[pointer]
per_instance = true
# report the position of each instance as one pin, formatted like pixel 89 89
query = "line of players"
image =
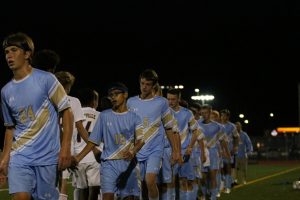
pixel 199 163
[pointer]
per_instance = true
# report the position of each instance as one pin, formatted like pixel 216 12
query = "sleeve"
pixel 77 109
pixel 167 117
pixel 7 117
pixel 56 93
pixel 249 146
pixel 97 133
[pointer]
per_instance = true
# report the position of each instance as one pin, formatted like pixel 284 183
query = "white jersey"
pixel 78 116
pixel 91 116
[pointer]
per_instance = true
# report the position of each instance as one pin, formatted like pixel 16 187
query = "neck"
pixel 176 108
pixel 147 96
pixel 22 72
pixel 120 109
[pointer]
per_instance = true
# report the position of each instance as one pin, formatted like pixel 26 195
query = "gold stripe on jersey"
pixel 33 131
pixel 212 142
pixel 151 131
pixel 193 123
pixel 183 135
pixel 118 154
pixel 167 120
pixel 139 133
pixel 58 95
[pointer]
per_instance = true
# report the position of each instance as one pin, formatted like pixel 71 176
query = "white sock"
pixel 63 196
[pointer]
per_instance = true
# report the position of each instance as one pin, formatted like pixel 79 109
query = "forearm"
pixel 137 146
pixel 171 138
pixel 7 145
pixel 85 151
pixel 82 131
pixel 67 122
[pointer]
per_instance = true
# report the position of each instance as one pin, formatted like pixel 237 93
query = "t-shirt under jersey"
pixel 31 105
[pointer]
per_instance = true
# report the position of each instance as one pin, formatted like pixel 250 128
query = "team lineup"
pixel 141 147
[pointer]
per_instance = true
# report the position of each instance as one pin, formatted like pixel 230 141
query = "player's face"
pixel 214 117
pixel 16 57
pixel 117 98
pixel 224 117
pixel 146 87
pixel 173 100
pixel 205 113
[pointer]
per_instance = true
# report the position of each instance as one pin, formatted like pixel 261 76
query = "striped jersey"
pixel 31 105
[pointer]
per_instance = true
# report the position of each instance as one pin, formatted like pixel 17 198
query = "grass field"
pixel 266 181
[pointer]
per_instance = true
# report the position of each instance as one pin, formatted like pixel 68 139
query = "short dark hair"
pixel 206 106
pixel 225 111
pixel 149 75
pixel 117 86
pixel 20 40
pixel 195 105
pixel 87 96
pixel 46 59
pixel 174 92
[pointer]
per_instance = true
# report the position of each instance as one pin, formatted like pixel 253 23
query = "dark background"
pixel 244 53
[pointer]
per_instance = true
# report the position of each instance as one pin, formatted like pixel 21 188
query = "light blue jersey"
pixel 156 115
pixel 245 145
pixel 186 125
pixel 117 131
pixel 31 105
pixel 231 132
pixel 214 134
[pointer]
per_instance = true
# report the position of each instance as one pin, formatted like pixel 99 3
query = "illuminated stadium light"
pixel 274 133
pixel 241 116
pixel 288 129
pixel 197 90
pixel 180 86
pixel 271 114
pixel 176 86
pixel 246 121
pixel 162 87
pixel 203 97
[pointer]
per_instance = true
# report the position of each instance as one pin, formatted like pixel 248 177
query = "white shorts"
pixel 87 175
pixel 66 174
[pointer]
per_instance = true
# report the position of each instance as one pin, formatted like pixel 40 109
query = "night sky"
pixel 245 54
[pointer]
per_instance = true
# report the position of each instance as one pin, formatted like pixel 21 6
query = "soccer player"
pixel 121 132
pixel 87 175
pixel 67 81
pixel 156 116
pixel 233 142
pixel 31 101
pixel 214 133
pixel 189 133
pixel 245 148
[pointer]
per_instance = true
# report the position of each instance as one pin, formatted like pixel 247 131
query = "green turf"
pixel 275 188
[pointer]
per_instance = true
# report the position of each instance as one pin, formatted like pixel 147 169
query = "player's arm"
pixel 90 146
pixel 225 148
pixel 64 160
pixel 82 131
pixel 5 156
pixel 236 140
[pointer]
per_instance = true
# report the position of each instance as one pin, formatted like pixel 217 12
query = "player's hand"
pixel 128 155
pixel 64 159
pixel 3 172
pixel 175 157
pixel 188 151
